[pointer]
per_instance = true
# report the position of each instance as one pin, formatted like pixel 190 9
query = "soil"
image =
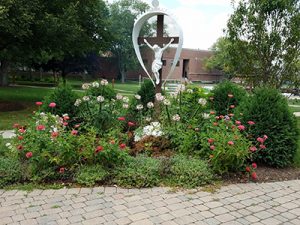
pixel 265 174
pixel 6 106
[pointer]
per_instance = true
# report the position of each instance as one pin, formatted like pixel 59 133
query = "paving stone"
pixel 123 221
pixel 272 221
pixel 225 218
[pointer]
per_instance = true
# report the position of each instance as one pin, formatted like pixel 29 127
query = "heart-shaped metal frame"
pixel 136 32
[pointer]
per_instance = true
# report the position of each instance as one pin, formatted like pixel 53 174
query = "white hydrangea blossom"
pixel 119 97
pixel 95 84
pixel 150 105
pixel 85 86
pixel 176 117
pixel 100 98
pixel 86 98
pixel 104 82
pixel 167 102
pixel 202 101
pixel 77 102
pixel 138 97
pixel 139 107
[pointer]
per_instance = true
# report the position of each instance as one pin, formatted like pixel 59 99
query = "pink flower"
pixel 65 124
pixel 241 127
pixel 230 95
pixel 121 118
pixel 232 106
pixel 215 124
pixel 28 155
pixel 16 125
pixel 54 134
pixel 77 125
pixel 231 115
pixel 254 165
pixel 131 124
pixel 254 176
pixel 237 122
pixel 40 127
pixel 74 132
pixel 260 140
pixel 253 149
pixel 61 170
pixel 248 169
pixel 251 122
pixel 39 103
pixel 210 140
pixel 217 117
pixel 52 105
pixel 262 146
pixel 99 149
pixel 230 142
pixel 22 130
pixel 221 117
pixel 265 137
pixel 122 146
pixel 66 117
pixel 212 147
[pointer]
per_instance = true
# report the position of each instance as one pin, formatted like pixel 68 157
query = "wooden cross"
pixel 160 40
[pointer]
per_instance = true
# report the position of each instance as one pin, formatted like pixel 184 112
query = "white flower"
pixel 138 97
pixel 104 82
pixel 139 107
pixel 125 99
pixel 125 106
pixel 180 88
pixel 77 102
pixel 119 97
pixel 167 102
pixel 159 97
pixel 85 86
pixel 42 114
pixel 9 145
pixel 148 119
pixel 176 117
pixel 150 105
pixel 205 115
pixel 95 84
pixel 64 115
pixel 202 101
pixel 100 98
pixel 86 98
pixel 190 91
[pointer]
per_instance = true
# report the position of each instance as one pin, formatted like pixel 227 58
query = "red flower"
pixel 260 140
pixel 251 122
pixel 40 127
pixel 20 147
pixel 248 169
pixel 212 113
pixel 39 103
pixel 65 124
pixel 254 165
pixel 121 118
pixel 131 124
pixel 54 134
pixel 210 140
pixel 212 147
pixel 74 132
pixel 28 155
pixel 122 146
pixel 238 122
pixel 230 142
pixel 221 117
pixel 262 146
pixel 61 170
pixel 16 125
pixel 66 117
pixel 99 149
pixel 232 106
pixel 22 130
pixel 241 127
pixel 52 105
pixel 253 149
pixel 230 95
pixel 254 176
pixel 20 138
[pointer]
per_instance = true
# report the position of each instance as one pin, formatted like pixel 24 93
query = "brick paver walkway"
pixel 268 203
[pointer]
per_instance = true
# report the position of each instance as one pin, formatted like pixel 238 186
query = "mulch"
pixel 6 106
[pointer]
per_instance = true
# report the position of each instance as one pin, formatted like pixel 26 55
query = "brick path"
pixel 268 203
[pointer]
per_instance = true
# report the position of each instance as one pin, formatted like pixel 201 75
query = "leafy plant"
pixel 270 112
pixel 90 175
pixel 147 92
pixel 139 172
pixel 188 172
pixel 10 171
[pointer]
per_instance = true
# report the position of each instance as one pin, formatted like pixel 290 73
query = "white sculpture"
pixel 157 62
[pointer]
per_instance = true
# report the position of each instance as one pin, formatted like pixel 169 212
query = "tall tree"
pixel 55 30
pixel 263 42
pixel 123 14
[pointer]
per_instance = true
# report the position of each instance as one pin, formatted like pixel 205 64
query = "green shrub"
pixel 64 97
pixel 188 172
pixel 147 92
pixel 98 89
pixel 90 175
pixel 226 94
pixel 10 171
pixel 139 172
pixel 270 112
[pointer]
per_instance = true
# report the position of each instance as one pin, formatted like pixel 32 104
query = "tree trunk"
pixel 4 69
pixel 63 75
pixel 123 76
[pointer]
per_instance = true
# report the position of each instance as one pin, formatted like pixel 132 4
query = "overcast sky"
pixel 202 21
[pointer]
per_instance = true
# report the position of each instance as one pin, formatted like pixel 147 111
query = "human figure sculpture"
pixel 157 63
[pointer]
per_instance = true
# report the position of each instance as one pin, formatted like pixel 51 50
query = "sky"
pixel 202 21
